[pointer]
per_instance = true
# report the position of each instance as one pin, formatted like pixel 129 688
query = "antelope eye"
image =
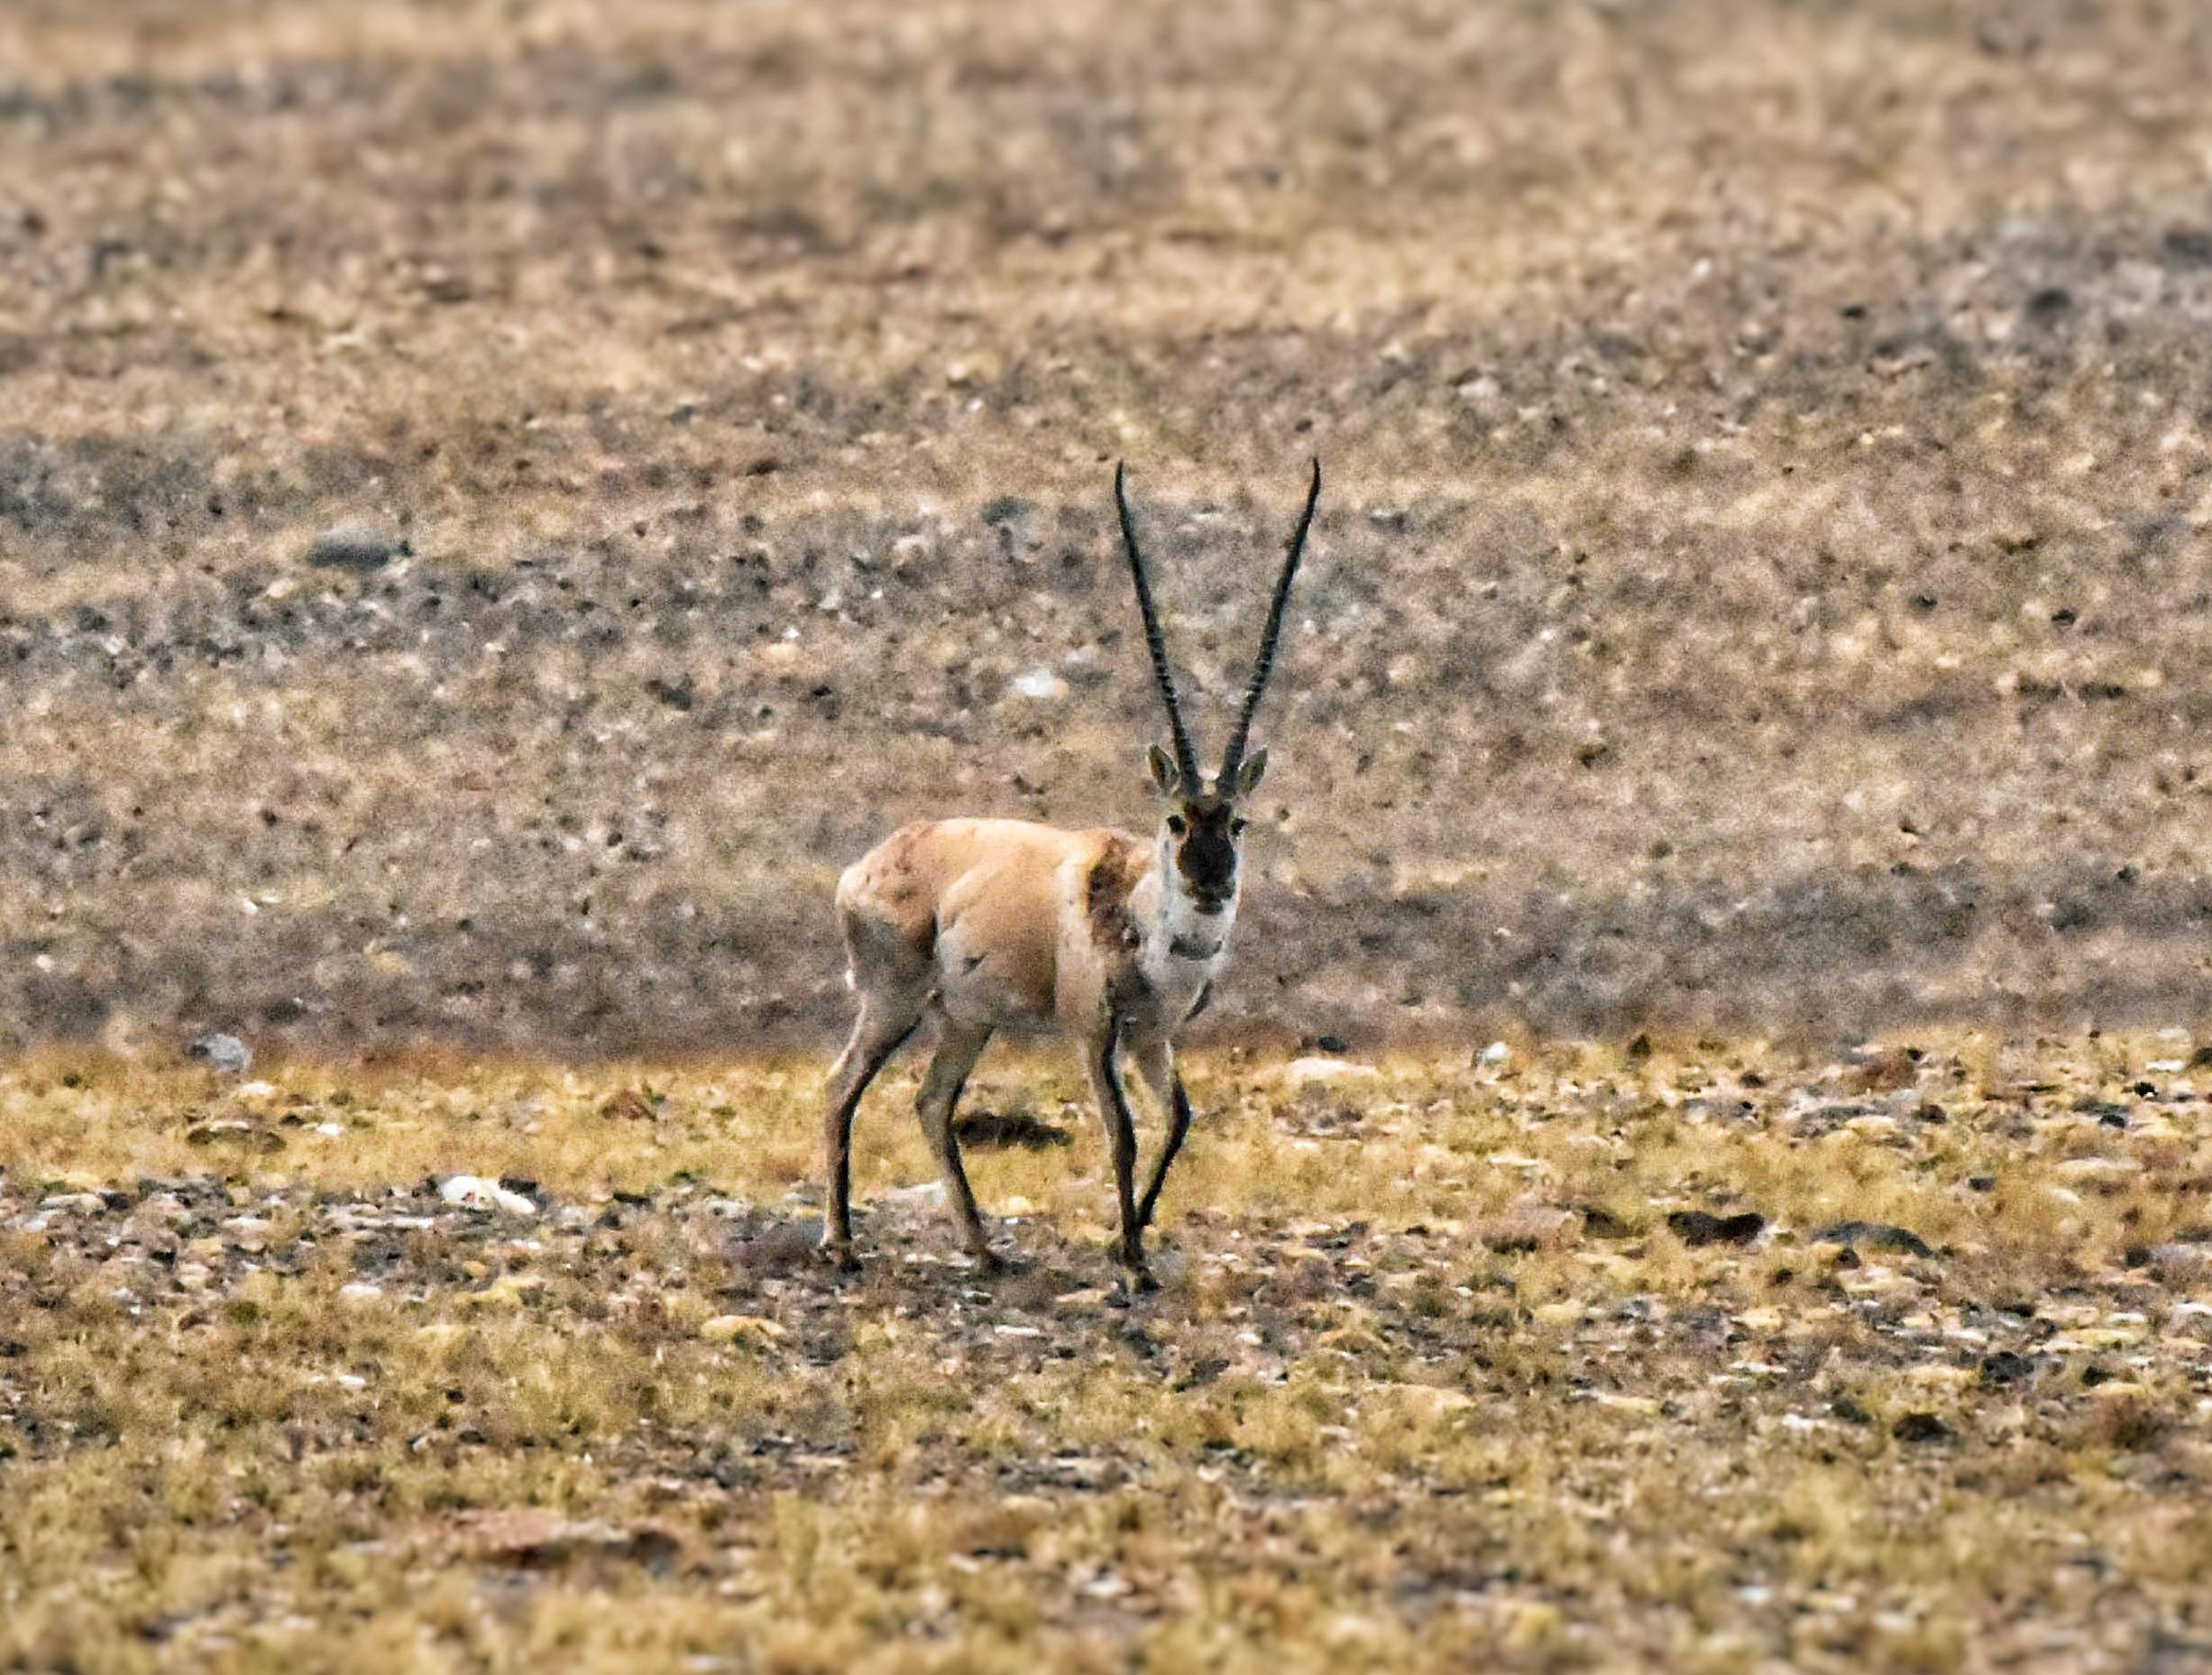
pixel 1237 825
pixel 1178 824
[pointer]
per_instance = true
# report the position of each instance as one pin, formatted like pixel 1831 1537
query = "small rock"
pixel 743 1328
pixel 471 1192
pixel 1428 1401
pixel 2175 1259
pixel 2188 246
pixel 533 1540
pixel 226 1053
pixel 358 547
pixel 229 1129
pixel 1321 1072
pixel 1041 684
pixel 2103 1172
pixel 2006 1366
pixel 628 1105
pixel 990 1129
pixel 1875 1235
pixel 1880 1070
pixel 1599 1222
pixel 923 1194
pixel 1921 1427
pixel 1497 1055
pixel 1699 1226
pixel 776 1248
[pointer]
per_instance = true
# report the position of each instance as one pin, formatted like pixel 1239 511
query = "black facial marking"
pixel 1206 850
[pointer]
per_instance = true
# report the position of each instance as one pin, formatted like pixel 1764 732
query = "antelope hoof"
pixel 1137 1281
pixel 838 1253
pixel 988 1261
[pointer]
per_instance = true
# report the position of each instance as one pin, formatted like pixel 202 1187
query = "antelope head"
pixel 1202 822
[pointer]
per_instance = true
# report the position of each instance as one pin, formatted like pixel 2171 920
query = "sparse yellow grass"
pixel 1432 1381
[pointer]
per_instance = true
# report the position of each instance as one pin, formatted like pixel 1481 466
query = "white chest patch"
pixel 1183 950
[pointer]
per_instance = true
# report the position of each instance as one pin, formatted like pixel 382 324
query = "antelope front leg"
pixel 1122 1136
pixel 1156 1064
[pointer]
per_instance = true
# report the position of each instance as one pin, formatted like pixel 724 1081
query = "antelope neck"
pixel 1183 928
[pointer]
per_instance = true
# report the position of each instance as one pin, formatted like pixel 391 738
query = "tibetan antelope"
pixel 964 927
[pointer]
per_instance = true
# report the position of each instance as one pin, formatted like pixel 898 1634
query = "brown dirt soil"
pixel 1762 581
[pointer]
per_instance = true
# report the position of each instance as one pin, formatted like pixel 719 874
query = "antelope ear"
pixel 1248 772
pixel 1163 769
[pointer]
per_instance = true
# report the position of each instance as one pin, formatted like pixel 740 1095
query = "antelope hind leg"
pixel 959 1047
pixel 873 1040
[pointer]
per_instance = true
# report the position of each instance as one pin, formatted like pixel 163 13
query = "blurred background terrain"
pixel 499 502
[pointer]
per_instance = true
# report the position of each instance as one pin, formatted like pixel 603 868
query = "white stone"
pixel 1321 1073
pixel 471 1192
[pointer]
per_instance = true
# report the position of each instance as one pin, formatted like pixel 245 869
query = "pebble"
pixel 220 1052
pixel 742 1328
pixel 1320 1072
pixel 360 547
pixel 1702 1226
pixel 1875 1235
pixel 470 1192
pixel 2099 1170
pixel 925 1193
pixel 2177 1258
pixel 1921 1427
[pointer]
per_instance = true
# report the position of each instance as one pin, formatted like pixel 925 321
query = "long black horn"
pixel 1234 756
pixel 1186 759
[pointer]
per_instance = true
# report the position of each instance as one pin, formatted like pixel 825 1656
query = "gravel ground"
pixel 499 503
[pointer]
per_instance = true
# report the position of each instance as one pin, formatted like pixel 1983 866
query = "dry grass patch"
pixel 1433 1376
